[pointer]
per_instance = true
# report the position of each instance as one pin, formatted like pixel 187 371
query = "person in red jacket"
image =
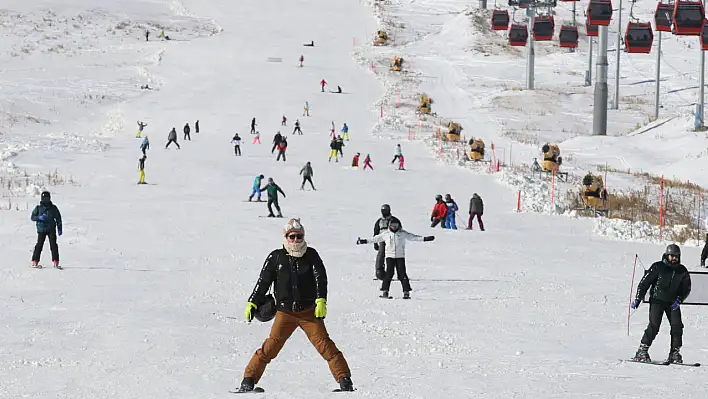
pixel 282 146
pixel 323 83
pixel 439 212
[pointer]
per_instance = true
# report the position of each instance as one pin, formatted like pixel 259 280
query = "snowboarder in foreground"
pixel 380 226
pixel 395 239
pixel 256 188
pixel 307 174
pixel 48 222
pixel 299 278
pixel 141 169
pixel 669 284
pixel 273 190
pixel 476 209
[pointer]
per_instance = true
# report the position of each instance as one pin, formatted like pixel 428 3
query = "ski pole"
pixel 631 289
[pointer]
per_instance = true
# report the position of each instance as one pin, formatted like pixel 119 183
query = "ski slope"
pixel 151 300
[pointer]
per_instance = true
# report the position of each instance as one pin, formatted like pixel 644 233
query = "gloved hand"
pixel 42 218
pixel 429 238
pixel 675 305
pixel 376 246
pixel 250 307
pixel 635 304
pixel 361 241
pixel 59 232
pixel 321 308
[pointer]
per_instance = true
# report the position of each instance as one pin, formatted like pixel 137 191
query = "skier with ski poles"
pixel 47 219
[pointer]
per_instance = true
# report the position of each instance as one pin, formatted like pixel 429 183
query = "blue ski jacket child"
pixel 450 218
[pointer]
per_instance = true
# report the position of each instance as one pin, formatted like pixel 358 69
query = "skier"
pixel 145 145
pixel 669 284
pixel 355 161
pixel 380 226
pixel 186 132
pixel 367 162
pixel 282 146
pixel 306 110
pixel 48 222
pixel 297 127
pixel 196 126
pixel 398 153
pixel 276 140
pixel 340 145
pixel 439 212
pixel 307 174
pixel 400 162
pixel 300 280
pixel 147 35
pixel 302 59
pixel 331 130
pixel 256 188
pixel 141 126
pixel 237 144
pixel 322 84
pixel 272 189
pixel 395 239
pixel 333 151
pixel 172 138
pixel 284 121
pixel 476 209
pixel 257 139
pixel 452 209
pixel 345 131
pixel 704 252
pixel 141 169
pixel 253 126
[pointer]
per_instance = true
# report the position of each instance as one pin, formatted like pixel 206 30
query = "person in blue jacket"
pixel 451 211
pixel 256 188
pixel 145 145
pixel 48 220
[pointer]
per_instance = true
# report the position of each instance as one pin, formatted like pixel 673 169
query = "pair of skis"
pixel 261 390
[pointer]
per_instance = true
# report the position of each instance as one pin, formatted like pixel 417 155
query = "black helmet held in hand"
pixel 266 310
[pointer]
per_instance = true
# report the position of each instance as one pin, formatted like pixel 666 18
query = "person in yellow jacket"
pixel 299 278
pixel 141 169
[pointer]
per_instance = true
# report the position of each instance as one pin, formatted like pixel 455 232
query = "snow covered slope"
pixel 150 303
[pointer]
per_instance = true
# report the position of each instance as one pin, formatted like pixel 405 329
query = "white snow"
pixel 150 303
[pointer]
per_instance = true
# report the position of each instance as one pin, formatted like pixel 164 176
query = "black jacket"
pixel 667 282
pixel 383 222
pixel 476 205
pixel 298 281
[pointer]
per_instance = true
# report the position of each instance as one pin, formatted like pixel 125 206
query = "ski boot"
pixel 345 384
pixel 384 295
pixel 247 385
pixel 642 354
pixel 406 295
pixel 675 356
pixel 271 215
pixel 56 265
pixel 36 265
pixel 280 215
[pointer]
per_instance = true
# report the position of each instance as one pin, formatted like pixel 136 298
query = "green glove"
pixel 321 308
pixel 249 311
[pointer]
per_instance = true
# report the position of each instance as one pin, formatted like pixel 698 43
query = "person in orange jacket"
pixel 355 163
pixel 439 212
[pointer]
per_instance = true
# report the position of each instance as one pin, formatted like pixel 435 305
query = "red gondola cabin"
pixel 688 16
pixel 663 17
pixel 518 35
pixel 590 29
pixel 500 20
pixel 568 36
pixel 638 37
pixel 543 28
pixel 704 36
pixel 599 12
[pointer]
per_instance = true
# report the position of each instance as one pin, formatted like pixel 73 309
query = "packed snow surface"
pixel 150 303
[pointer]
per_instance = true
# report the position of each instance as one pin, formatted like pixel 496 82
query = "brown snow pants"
pixel 284 325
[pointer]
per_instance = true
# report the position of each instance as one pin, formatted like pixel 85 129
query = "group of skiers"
pixel 445 211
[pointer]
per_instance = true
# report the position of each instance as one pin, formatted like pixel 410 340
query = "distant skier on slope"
pixel 395 238
pixel 355 161
pixel 401 161
pixel 439 212
pixel 256 188
pixel 141 170
pixel 302 59
pixel 476 209
pixel 380 226
pixel 141 126
pixel 398 154
pixel 297 127
pixel 323 83
pixel 47 219
pixel 367 162
pixel 257 138
pixel 237 144
pixel 273 189
pixel 452 209
pixel 187 130
pixel 307 174
pixel 172 138
pixel 282 147
pixel 276 140
pixel 333 152
pixel 145 145
pixel 300 280
pixel 340 145
pixel 306 109
pixel 345 131
pixel 669 284
pixel 253 126
pixel 284 121
pixel 196 126
pixel 704 252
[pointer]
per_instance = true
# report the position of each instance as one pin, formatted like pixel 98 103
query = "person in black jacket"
pixel 47 218
pixel 186 132
pixel 380 226
pixel 299 278
pixel 276 140
pixel 669 284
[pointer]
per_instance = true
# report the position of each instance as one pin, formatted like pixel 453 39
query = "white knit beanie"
pixel 294 248
pixel 293 225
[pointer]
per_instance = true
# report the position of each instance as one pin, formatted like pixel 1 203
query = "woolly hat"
pixel 293 226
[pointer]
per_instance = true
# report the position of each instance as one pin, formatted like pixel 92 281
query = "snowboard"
pixel 255 390
pixel 662 363
pixel 270 217
pixel 340 390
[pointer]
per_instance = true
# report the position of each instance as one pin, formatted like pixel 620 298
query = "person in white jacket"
pixel 395 239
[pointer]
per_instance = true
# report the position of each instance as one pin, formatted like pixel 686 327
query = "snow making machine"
pixel 424 104
pixel 396 63
pixel 454 130
pixel 593 194
pixel 381 38
pixel 552 160
pixel 476 152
